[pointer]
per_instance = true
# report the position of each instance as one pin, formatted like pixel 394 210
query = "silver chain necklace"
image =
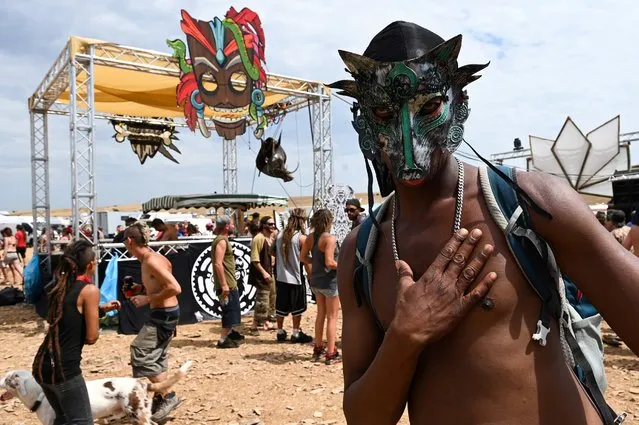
pixel 458 208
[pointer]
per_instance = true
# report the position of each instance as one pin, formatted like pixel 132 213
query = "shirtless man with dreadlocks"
pixel 149 350
pixel 449 325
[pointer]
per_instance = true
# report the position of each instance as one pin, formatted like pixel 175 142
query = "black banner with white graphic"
pixel 193 270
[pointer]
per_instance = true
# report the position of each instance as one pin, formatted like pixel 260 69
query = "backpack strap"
pixel 367 235
pixel 537 262
pixel 361 268
pixel 508 213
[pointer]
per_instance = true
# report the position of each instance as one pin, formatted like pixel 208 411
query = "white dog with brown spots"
pixel 111 398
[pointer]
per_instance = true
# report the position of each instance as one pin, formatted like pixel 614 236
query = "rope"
pixel 342 99
pixel 287 194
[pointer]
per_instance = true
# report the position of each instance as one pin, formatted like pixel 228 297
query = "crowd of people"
pixel 13 250
pixel 278 262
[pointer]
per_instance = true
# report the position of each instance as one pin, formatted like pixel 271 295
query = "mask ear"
pixel 448 51
pixel 358 64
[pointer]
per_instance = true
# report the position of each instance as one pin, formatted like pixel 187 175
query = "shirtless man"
pixel 149 350
pixel 167 232
pixel 450 359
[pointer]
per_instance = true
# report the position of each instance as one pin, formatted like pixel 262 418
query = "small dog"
pixel 111 398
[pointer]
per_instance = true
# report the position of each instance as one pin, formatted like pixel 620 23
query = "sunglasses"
pixel 270 224
pixel 350 210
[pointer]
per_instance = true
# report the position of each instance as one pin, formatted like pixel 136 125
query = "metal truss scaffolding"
pixel 229 165
pixel 322 147
pixel 69 88
pixel 83 193
pixel 40 183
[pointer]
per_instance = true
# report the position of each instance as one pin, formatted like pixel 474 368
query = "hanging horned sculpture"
pixel 271 159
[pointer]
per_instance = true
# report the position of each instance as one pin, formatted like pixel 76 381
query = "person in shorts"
pixel 149 350
pixel 225 283
pixel 321 252
pixel 291 288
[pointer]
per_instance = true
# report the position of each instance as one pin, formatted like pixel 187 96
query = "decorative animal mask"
pixel 271 159
pixel 225 71
pixel 147 139
pixel 408 109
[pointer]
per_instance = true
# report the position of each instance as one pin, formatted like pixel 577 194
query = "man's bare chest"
pixel 420 245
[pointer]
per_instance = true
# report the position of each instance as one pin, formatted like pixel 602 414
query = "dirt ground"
pixel 260 383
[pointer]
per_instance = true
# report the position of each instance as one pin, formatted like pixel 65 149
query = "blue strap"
pixel 529 250
pixel 361 273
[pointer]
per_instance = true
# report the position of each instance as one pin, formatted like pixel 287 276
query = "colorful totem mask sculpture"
pixel 224 71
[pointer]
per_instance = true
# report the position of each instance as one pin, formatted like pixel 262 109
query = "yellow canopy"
pixel 151 92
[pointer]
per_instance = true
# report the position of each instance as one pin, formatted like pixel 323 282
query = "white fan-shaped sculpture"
pixel 586 161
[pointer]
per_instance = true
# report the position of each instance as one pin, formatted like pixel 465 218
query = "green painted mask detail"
pixel 407 110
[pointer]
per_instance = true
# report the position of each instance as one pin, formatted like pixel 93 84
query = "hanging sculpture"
pixel 147 139
pixel 271 159
pixel 224 71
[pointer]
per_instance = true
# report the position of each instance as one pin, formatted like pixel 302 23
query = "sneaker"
pixel 301 338
pixel 318 352
pixel 236 336
pixel 281 336
pixel 333 358
pixel 157 400
pixel 164 408
pixel 227 343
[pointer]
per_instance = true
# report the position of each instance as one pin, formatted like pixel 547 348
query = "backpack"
pixel 561 301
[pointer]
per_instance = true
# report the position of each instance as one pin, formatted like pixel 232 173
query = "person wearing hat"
pixel 355 212
pixel 427 329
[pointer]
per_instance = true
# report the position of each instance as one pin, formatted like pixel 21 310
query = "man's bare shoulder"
pixel 350 242
pixel 539 184
pixel 158 261
pixel 346 262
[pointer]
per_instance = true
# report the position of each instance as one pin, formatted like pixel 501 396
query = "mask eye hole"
pixel 238 82
pixel 208 81
pixel 432 105
pixel 383 113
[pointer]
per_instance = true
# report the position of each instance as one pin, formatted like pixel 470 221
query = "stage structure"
pixel 588 161
pixel 93 79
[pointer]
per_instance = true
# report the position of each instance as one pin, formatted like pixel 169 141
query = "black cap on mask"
pixel 402 41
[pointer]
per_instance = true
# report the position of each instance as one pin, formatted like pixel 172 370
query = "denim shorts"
pixel 328 292
pixel 231 312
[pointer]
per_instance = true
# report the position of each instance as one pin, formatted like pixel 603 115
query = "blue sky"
pixel 549 60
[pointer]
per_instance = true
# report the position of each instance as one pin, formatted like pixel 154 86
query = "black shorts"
pixel 231 312
pixel 22 251
pixel 290 299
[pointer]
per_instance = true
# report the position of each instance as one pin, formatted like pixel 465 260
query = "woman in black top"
pixel 73 317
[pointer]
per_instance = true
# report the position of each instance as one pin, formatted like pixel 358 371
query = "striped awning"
pixel 237 200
